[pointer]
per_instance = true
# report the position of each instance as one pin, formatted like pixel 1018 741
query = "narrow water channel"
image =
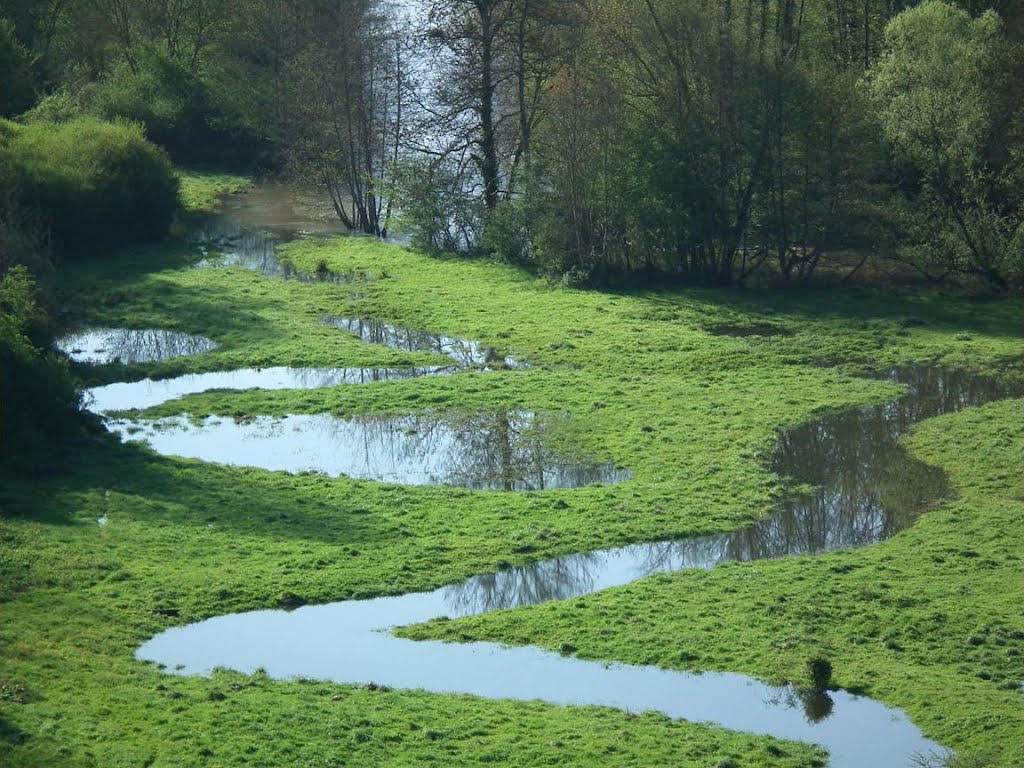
pixel 868 489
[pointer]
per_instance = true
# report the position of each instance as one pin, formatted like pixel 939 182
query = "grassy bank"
pixel 692 414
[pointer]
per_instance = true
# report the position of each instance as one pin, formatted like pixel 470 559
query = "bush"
pixel 177 109
pixel 93 185
pixel 41 408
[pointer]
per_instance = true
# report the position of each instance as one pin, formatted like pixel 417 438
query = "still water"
pixel 868 489
pixel 121 345
pixel 490 450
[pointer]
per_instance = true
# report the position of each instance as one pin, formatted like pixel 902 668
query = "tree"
pixel 937 88
pixel 350 85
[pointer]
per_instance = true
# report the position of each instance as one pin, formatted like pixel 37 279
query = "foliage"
pixel 176 108
pixel 689 412
pixel 18 92
pixel 94 185
pixel 203 191
pixel 40 399
pixel 438 211
pixel 937 88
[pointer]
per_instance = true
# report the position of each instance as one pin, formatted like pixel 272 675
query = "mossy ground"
pixel 694 415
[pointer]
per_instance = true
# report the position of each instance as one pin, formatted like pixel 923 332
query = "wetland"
pixel 692 499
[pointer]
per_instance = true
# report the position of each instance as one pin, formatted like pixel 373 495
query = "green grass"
pixel 692 414
pixel 202 191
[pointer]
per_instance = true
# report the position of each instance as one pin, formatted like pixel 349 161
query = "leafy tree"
pixel 937 90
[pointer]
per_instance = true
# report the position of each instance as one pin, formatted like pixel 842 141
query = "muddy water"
pixel 868 489
pixel 120 345
pixel 248 228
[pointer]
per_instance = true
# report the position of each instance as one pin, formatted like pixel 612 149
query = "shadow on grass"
pixel 274 505
pixel 937 311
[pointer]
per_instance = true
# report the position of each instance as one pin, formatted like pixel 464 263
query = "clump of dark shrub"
pixel 91 185
pixel 18 90
pixel 40 406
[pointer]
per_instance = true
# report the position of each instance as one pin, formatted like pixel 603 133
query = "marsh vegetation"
pixel 674 346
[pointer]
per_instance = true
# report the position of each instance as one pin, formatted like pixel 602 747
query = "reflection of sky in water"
pixel 111 345
pixel 486 451
pixel 132 395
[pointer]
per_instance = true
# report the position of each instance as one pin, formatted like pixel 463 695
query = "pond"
pixel 248 228
pixel 868 489
pixel 490 450
pixel 465 353
pixel 97 346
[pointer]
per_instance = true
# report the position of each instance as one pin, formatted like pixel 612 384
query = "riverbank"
pixel 693 414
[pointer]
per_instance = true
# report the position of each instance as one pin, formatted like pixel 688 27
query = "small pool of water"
pixel 498 451
pixel 121 345
pixel 139 395
pixel 467 354
pixel 248 228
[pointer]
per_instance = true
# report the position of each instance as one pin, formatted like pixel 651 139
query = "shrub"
pixel 94 185
pixel 177 109
pixel 40 404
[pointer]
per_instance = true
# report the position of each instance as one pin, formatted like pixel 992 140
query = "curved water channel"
pixel 866 488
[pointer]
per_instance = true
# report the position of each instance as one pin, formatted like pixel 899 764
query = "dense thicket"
pixel 87 184
pixel 591 138
pixel 40 402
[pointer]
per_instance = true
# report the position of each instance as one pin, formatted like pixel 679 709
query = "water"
pixel 868 490
pixel 139 395
pixel 499 450
pixel 248 228
pixel 120 345
pixel 466 354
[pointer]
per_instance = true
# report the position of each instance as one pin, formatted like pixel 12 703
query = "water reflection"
pixel 248 228
pixel 139 395
pixel 466 354
pixel 498 450
pixel 867 489
pixel 121 345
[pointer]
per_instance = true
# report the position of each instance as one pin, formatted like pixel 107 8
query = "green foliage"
pixel 647 387
pixel 938 88
pixel 438 211
pixel 40 401
pixel 94 185
pixel 202 191
pixel 174 105
pixel 18 91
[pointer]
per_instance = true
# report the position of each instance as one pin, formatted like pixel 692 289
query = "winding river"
pixel 866 489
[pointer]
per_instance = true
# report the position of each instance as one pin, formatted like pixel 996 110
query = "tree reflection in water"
pixel 488 451
pixel 465 353
pixel 120 345
pixel 867 489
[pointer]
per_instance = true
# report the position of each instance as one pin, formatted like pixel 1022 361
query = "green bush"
pixel 177 109
pixel 93 185
pixel 41 408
